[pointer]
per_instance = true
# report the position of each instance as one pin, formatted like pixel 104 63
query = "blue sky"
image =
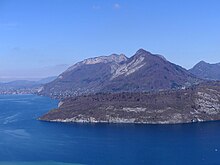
pixel 39 34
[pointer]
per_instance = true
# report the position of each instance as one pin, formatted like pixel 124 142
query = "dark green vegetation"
pixel 196 103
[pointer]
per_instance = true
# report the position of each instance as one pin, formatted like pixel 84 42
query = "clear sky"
pixel 39 34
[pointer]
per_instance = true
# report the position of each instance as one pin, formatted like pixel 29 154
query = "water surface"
pixel 27 141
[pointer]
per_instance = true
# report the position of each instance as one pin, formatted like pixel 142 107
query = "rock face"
pixel 88 76
pixel 205 70
pixel 117 73
pixel 196 103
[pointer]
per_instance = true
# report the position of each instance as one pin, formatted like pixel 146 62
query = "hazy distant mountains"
pixel 22 85
pixel 205 70
pixel 143 71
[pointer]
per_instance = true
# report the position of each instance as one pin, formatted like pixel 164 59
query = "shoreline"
pixel 130 123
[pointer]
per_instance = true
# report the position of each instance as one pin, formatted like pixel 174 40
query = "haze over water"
pixel 25 140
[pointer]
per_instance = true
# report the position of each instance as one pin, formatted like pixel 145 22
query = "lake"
pixel 26 141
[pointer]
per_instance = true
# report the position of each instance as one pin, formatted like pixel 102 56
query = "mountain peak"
pixel 101 59
pixel 142 51
pixel 105 59
pixel 202 62
pixel 206 63
pixel 206 70
pixel 143 71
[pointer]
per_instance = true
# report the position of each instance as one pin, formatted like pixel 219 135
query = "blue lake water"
pixel 26 141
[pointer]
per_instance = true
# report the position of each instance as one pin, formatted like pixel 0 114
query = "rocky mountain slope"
pixel 143 71
pixel 205 70
pixel 196 103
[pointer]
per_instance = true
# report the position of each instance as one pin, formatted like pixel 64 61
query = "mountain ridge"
pixel 101 59
pixel 23 86
pixel 206 70
pixel 143 71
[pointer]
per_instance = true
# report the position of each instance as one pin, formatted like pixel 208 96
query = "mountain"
pixel 197 103
pixel 87 76
pixel 205 70
pixel 18 84
pixel 23 86
pixel 148 72
pixel 143 71
pixel 46 80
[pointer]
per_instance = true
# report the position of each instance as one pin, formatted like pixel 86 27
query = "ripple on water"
pixel 18 133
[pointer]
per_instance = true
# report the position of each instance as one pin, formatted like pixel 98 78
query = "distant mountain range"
pixel 205 70
pixel 23 85
pixel 143 71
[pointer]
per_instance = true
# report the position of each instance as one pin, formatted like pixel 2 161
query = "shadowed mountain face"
pixel 88 76
pixel 206 71
pixel 145 72
pixel 117 73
